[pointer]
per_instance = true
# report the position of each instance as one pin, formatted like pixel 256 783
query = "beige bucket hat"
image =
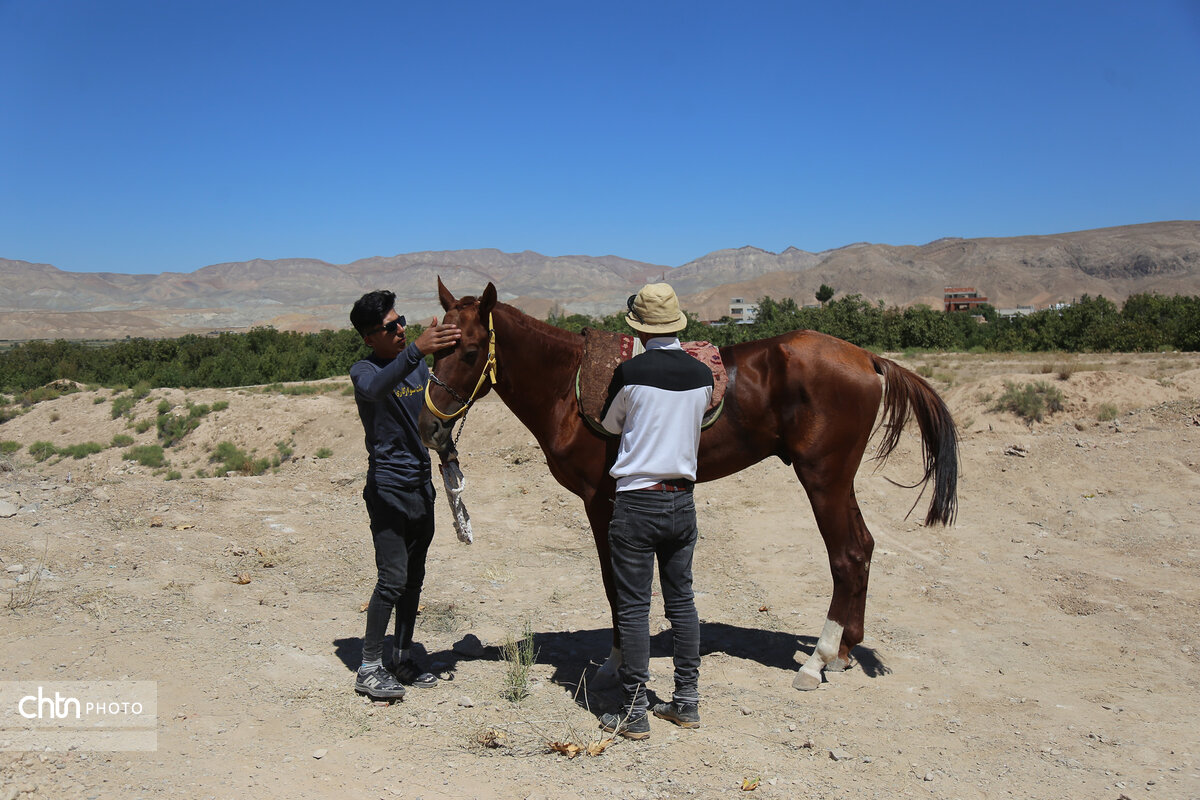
pixel 655 309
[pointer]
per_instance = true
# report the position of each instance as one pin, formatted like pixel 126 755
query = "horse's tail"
pixel 906 392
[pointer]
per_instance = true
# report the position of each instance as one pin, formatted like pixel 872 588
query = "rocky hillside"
pixel 41 301
pixel 1028 270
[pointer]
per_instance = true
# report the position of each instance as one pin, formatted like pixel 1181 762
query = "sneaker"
pixel 411 673
pixel 636 728
pixel 685 715
pixel 380 684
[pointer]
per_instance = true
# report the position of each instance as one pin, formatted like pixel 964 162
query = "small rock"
pixel 746 711
pixel 466 702
pixel 839 754
pixel 15 568
pixel 928 776
pixel 7 509
pixel 321 753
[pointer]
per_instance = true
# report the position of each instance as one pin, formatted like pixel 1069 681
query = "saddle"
pixel 604 350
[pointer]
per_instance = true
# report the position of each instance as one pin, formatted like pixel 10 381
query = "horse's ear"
pixel 444 295
pixel 488 300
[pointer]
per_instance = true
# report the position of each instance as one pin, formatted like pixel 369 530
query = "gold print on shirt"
pixel 406 391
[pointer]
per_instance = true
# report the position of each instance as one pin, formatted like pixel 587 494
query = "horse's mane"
pixel 558 336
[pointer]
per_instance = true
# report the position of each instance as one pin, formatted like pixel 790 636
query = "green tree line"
pixel 1145 322
pixel 262 355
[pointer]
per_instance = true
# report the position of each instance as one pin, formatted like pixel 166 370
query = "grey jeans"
pixel 646 525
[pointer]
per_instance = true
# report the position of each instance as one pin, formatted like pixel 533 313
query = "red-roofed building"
pixel 962 299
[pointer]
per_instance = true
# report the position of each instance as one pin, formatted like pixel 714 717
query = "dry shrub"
pixel 1031 402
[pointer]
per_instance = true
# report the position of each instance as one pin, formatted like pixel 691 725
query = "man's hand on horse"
pixel 436 337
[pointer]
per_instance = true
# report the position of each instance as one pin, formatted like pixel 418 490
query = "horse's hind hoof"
pixel 605 680
pixel 606 677
pixel 806 681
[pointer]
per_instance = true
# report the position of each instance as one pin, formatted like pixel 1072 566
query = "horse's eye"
pixel 470 356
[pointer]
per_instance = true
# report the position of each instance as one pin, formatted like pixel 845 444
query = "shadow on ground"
pixel 575 655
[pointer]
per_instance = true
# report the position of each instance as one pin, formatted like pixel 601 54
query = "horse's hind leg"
pixel 849 545
pixel 599 507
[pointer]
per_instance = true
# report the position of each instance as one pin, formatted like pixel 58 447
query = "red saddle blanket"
pixel 604 350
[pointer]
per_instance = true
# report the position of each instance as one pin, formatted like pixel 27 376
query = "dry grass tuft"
pixel 442 617
pixel 94 602
pixel 518 655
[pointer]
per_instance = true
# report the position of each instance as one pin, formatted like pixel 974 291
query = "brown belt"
pixel 669 486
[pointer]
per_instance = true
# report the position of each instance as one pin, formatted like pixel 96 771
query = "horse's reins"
pixel 489 372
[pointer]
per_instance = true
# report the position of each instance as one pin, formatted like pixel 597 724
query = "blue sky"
pixel 145 136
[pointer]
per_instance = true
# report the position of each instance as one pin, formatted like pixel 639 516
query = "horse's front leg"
pixel 600 510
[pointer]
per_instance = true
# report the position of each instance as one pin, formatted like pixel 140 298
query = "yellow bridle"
pixel 489 371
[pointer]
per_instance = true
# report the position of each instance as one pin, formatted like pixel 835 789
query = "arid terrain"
pixel 1046 646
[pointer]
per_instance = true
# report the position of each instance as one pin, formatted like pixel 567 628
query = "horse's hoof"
pixel 806 681
pixel 838 665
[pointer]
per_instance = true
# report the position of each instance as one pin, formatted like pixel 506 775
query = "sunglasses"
pixel 633 312
pixel 390 327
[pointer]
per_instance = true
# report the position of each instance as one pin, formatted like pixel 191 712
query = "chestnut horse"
pixel 810 399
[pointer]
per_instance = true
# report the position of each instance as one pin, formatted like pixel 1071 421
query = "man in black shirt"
pixel 399 492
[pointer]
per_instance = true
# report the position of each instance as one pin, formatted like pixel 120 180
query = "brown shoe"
pixel 685 715
pixel 636 728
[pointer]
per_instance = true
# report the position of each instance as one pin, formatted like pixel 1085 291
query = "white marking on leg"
pixel 607 674
pixel 826 650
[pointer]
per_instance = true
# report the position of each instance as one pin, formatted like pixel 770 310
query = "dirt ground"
pixel 1046 646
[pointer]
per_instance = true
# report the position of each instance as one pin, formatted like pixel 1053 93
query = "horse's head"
pixel 462 373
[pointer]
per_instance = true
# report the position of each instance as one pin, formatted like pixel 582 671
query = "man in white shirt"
pixel 656 403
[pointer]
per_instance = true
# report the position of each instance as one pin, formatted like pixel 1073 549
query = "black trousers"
pixel 649 525
pixel 402 530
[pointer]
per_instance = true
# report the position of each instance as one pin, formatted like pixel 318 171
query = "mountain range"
pixel 39 301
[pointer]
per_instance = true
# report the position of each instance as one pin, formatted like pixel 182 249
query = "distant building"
pixel 962 299
pixel 1018 311
pixel 741 312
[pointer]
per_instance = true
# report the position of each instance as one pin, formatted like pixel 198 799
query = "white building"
pixel 741 312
